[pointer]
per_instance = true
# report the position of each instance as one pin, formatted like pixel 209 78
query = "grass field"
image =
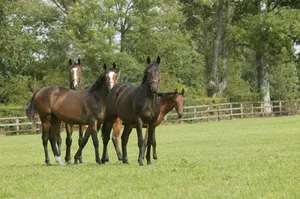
pixel 251 158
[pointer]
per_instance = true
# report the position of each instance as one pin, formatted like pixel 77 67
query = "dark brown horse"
pixel 85 106
pixel 75 77
pixel 168 101
pixel 135 106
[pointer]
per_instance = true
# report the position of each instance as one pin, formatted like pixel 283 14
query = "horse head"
pixel 110 76
pixel 75 74
pixel 152 74
pixel 179 102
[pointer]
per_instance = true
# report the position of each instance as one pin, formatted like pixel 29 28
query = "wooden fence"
pixel 213 112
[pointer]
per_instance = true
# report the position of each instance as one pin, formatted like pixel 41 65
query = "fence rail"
pixel 213 112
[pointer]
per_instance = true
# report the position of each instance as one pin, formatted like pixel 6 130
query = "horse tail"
pixel 30 108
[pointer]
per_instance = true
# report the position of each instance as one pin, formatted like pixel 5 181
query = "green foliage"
pixel 238 90
pixel 15 90
pixel 38 37
pixel 284 81
pixel 11 111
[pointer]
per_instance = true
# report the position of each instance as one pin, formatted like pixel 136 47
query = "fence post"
pixel 219 117
pixel 296 108
pixel 280 107
pixel 252 110
pixel 17 125
pixel 207 113
pixel 231 111
pixel 242 111
pixel 262 104
pixel 34 125
pixel 289 107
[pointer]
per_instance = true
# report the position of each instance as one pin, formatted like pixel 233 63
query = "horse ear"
pixel 78 61
pixel 158 60
pixel 104 66
pixel 70 62
pixel 182 92
pixel 148 60
pixel 114 66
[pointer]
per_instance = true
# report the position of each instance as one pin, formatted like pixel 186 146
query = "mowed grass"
pixel 250 158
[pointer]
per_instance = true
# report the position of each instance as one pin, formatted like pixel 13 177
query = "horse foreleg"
pixel 69 131
pixel 154 145
pixel 145 141
pixel 125 137
pixel 59 140
pixel 140 142
pixel 85 139
pixel 81 131
pixel 106 128
pixel 151 130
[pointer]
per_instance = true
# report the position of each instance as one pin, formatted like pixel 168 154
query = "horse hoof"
pixel 103 160
pixel 68 162
pixel 155 157
pixel 140 162
pixel 149 163
pixel 99 161
pixel 80 160
pixel 125 161
pixel 59 160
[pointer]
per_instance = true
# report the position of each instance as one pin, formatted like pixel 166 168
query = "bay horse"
pixel 135 106
pixel 84 106
pixel 168 101
pixel 75 77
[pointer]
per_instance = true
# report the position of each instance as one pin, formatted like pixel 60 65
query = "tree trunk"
pixel 263 80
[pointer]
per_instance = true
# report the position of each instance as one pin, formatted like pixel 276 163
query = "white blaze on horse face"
pixel 111 75
pixel 75 77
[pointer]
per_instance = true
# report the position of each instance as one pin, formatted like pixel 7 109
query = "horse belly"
pixel 70 111
pixel 149 117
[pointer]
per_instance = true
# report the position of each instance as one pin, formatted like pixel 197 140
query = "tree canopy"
pixel 234 49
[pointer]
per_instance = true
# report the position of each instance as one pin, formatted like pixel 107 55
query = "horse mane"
pixel 96 84
pixel 166 94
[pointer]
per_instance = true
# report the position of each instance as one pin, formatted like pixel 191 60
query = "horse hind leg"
pixel 106 128
pixel 125 136
pixel 54 134
pixel 45 138
pixel 115 138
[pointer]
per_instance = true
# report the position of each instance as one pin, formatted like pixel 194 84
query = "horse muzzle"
pixel 180 115
pixel 154 86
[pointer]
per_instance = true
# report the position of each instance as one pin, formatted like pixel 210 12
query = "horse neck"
pixel 148 92
pixel 98 90
pixel 166 105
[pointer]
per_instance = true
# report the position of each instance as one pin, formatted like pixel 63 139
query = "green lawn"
pixel 251 158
